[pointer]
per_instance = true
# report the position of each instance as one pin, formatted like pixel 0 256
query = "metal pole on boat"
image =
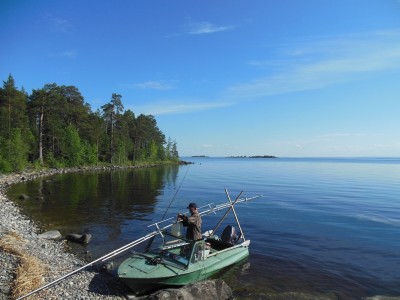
pixel 234 213
pixel 223 206
pixel 226 213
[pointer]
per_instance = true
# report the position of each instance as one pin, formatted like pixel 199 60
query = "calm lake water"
pixel 324 226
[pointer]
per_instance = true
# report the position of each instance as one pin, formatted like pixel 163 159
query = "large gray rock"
pixel 202 290
pixel 51 235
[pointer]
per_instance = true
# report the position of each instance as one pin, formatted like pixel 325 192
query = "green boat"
pixel 170 260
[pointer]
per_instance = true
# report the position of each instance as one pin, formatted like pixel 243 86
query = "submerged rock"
pixel 23 197
pixel 79 238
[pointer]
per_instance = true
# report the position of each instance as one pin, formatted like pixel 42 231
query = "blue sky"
pixel 285 78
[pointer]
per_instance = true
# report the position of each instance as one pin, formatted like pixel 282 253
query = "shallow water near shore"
pixel 324 226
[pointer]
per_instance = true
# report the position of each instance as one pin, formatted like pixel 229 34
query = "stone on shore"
pixel 51 235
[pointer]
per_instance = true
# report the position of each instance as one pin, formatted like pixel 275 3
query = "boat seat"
pixel 218 244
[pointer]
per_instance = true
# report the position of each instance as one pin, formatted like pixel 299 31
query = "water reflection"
pixel 105 204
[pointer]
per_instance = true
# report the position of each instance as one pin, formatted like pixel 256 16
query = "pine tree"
pixel 13 122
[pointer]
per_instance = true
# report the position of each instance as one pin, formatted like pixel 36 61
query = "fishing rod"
pixel 173 198
pixel 132 244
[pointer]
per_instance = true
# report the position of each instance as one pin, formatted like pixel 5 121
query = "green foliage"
pixel 153 155
pixel 13 152
pixel 18 151
pixel 54 127
pixel 52 162
pixel 89 154
pixel 171 151
pixel 36 165
pixel 174 152
pixel 72 149
pixel 13 110
pixel 121 156
pixel 5 166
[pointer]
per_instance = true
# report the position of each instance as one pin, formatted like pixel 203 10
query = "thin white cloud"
pixel 67 54
pixel 206 28
pixel 343 135
pixel 200 28
pixel 326 62
pixel 175 107
pixel 334 135
pixel 301 67
pixel 150 85
pixel 61 25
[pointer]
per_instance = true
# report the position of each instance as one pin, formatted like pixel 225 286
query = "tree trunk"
pixel 41 136
pixel 111 138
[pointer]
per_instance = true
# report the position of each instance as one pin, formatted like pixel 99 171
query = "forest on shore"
pixel 54 127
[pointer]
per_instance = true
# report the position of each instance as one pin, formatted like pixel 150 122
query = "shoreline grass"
pixel 30 271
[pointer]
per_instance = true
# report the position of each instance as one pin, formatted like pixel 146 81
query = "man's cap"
pixel 192 205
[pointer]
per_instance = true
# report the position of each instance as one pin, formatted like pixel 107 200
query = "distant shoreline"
pixel 254 156
pixel 240 156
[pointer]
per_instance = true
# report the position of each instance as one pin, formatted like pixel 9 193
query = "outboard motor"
pixel 229 235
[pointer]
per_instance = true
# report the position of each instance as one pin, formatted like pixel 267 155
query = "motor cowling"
pixel 229 235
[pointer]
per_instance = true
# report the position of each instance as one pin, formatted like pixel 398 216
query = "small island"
pixel 255 156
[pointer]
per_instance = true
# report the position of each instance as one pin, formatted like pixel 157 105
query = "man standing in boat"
pixel 193 223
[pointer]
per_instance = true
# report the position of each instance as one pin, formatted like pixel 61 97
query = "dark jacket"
pixel 193 224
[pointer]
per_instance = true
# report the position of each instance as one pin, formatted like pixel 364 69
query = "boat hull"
pixel 141 277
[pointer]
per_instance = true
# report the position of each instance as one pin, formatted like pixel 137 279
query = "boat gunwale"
pixel 244 244
pixel 164 261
